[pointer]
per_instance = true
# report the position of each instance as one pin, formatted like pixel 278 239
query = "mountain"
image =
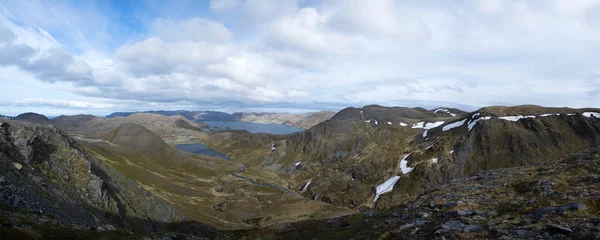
pixel 556 200
pixel 517 172
pixel 34 118
pixel 171 127
pixel 50 186
pixel 299 120
pixel 190 115
pixel 342 160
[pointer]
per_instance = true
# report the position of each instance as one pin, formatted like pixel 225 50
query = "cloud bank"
pixel 249 54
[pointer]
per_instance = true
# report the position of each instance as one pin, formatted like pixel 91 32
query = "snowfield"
pixel 386 187
pixel 454 125
pixel 404 165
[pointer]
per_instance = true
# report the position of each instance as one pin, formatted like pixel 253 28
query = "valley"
pixel 363 166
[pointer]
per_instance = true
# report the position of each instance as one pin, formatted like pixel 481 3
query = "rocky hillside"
pixel 342 160
pixel 91 126
pixel 300 120
pixel 556 200
pixel 34 118
pixel 51 187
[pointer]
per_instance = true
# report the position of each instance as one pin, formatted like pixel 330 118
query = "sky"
pixel 97 57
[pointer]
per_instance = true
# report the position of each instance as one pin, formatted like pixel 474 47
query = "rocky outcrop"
pixel 557 200
pixel 34 118
pixel 60 180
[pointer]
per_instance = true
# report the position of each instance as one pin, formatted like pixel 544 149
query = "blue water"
pixel 253 127
pixel 200 149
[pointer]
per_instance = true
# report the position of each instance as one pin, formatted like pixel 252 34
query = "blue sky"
pixel 71 57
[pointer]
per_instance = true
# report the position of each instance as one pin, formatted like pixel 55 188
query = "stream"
pixel 201 149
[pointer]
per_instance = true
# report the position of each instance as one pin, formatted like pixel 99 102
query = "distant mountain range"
pixel 300 120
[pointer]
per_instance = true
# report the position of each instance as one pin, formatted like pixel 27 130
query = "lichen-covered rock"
pixel 58 178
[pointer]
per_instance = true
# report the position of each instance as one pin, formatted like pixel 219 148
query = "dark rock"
pixel 473 228
pixel 369 214
pixel 464 212
pixel 452 225
pixel 577 206
pixel 545 211
pixel 450 205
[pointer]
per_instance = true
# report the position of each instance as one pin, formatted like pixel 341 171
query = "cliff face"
pixel 45 173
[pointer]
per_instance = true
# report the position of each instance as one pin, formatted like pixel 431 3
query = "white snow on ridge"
pixel 433 125
pixel 549 114
pixel 418 125
pixel 298 163
pixel 404 165
pixel 590 114
pixel 454 125
pixel 403 124
pixel 571 114
pixel 385 187
pixel 434 160
pixel 428 126
pixel 306 186
pixel 389 123
pixel 473 122
pixel 445 111
pixel 515 118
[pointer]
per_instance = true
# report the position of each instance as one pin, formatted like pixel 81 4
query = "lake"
pixel 201 149
pixel 253 127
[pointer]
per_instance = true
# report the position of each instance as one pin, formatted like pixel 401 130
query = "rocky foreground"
pixel 559 200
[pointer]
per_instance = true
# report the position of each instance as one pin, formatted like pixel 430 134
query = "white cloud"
pixel 335 53
pixel 58 103
pixel 196 30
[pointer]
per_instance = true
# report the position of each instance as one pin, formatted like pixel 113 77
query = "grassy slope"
pixel 201 188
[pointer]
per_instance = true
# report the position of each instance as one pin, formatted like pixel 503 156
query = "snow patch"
pixel 376 122
pixel 404 165
pixel 433 125
pixel 445 111
pixel 549 114
pixel 590 114
pixel 571 114
pixel 389 123
pixel 515 118
pixel 418 125
pixel 434 160
pixel 473 122
pixel 306 186
pixel 298 163
pixel 428 126
pixel 429 147
pixel 454 125
pixel 452 151
pixel 386 187
pixel 403 124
